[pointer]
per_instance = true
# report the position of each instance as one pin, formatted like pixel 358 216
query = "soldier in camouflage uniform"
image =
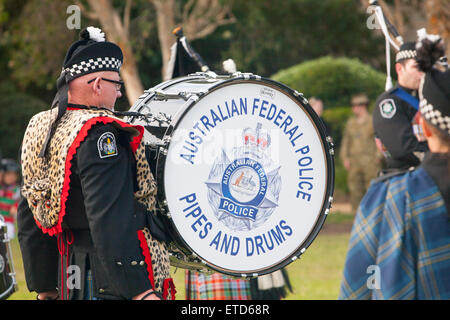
pixel 359 153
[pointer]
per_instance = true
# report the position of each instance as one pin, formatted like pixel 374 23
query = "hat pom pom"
pixel 430 48
pixel 93 33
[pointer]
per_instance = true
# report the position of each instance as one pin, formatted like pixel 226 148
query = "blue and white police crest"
pixel 244 187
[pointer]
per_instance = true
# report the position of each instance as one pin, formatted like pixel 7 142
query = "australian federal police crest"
pixel 244 186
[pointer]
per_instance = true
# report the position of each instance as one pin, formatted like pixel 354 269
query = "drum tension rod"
pixel 161 95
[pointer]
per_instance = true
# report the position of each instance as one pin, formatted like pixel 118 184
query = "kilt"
pixel 215 287
pixel 401 235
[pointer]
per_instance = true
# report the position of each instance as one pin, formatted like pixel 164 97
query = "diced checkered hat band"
pixel 93 65
pixel 405 54
pixel 434 116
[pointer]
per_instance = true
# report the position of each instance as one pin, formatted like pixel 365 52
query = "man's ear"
pixel 426 130
pixel 96 86
pixel 398 68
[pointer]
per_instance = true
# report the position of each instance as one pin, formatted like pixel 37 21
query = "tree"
pixel 117 30
pixel 410 15
pixel 438 14
pixel 269 37
pixel 35 54
pixel 198 18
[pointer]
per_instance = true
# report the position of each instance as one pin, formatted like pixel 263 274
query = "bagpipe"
pixel 389 29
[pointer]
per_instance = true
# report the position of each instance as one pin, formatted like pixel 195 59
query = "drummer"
pixel 399 246
pixel 99 226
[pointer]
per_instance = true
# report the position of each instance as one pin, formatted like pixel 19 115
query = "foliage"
pixel 37 42
pixel 268 37
pixel 334 80
pixel 336 119
pixel 16 109
pixel 340 179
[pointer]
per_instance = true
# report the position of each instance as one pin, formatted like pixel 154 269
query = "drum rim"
pixel 327 147
pixel 149 94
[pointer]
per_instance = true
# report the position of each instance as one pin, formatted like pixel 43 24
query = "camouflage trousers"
pixel 358 180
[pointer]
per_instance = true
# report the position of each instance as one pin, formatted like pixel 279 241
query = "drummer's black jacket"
pixel 395 130
pixel 103 217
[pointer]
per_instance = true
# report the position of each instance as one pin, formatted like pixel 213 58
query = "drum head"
pixel 247 177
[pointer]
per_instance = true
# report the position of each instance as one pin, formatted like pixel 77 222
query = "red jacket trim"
pixel 168 283
pixel 147 256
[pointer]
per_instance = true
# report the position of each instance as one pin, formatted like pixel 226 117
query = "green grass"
pixel 339 218
pixel 315 276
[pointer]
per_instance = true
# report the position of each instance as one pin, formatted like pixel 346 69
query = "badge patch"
pixel 106 145
pixel 387 108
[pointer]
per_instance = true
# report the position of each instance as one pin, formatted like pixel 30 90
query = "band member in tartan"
pixel 400 242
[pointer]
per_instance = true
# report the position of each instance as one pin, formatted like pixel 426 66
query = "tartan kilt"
pixel 402 229
pixel 215 287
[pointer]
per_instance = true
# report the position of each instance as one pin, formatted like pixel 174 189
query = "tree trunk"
pixel 117 32
pixel 165 11
pixel 198 19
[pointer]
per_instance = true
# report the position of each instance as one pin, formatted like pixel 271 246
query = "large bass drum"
pixel 244 169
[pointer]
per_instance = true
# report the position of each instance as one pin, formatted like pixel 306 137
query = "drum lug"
pixel 164 210
pixel 301 96
pixel 164 151
pixel 331 144
pixel 246 76
pixel 161 95
pixel 193 97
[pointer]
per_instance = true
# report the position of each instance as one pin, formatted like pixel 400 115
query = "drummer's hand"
pixel 149 297
pixel 48 295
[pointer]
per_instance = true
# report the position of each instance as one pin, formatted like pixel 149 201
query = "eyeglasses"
pixel 118 83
